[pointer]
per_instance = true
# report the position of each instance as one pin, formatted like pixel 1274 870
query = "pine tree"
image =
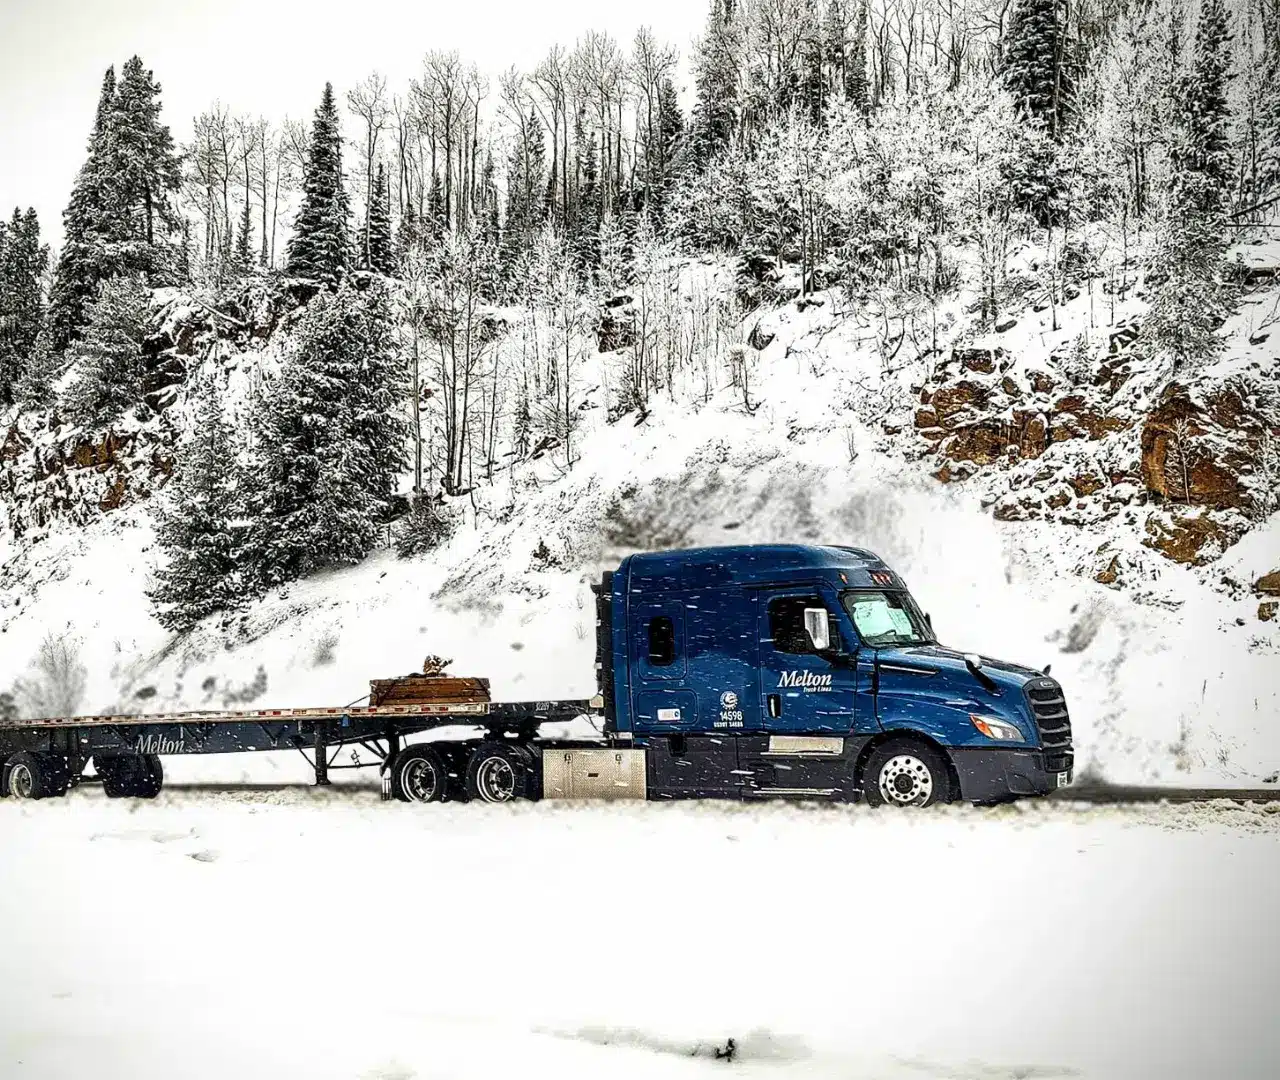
pixel 434 222
pixel 320 248
pixel 857 88
pixel 489 212
pixel 23 261
pixel 1035 69
pixel 382 256
pixel 586 247
pixel 146 172
pixel 243 254
pixel 408 238
pixel 1269 103
pixel 35 387
pixel 1189 304
pixel 112 367
pixel 715 112
pixel 195 521
pixel 83 261
pixel 525 188
pixel 330 441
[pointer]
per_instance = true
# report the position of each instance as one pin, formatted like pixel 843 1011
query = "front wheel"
pixel 905 773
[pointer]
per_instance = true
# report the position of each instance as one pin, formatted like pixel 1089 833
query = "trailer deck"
pixel 59 748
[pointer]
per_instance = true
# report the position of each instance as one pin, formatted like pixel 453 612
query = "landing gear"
pixel 130 776
pixel 35 776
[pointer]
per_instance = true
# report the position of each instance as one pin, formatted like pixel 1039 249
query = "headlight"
pixel 996 729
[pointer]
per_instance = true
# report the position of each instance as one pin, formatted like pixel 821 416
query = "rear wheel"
pixel 35 776
pixel 419 774
pixel 500 772
pixel 904 772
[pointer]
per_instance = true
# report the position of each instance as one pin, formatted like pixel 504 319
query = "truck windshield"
pixel 886 618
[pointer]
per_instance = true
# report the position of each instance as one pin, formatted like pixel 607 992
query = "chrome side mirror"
pixel 818 629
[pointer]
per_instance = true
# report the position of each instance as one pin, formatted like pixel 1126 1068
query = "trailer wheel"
pixel 418 774
pixel 35 776
pixel 905 772
pixel 131 776
pixel 499 772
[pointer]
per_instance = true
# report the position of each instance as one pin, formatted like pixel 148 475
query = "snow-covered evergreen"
pixel 382 254
pixel 320 248
pixel 329 441
pixel 198 520
pixel 1190 304
pixel 111 369
pixel 23 260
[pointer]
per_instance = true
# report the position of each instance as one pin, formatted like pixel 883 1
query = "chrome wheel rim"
pixel 496 780
pixel 419 780
pixel 905 780
pixel 21 782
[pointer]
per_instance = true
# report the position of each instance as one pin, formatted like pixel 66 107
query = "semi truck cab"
pixel 811 671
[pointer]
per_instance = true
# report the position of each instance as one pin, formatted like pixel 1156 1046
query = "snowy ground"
pixel 295 934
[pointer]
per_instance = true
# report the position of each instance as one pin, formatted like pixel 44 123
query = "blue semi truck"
pixel 765 671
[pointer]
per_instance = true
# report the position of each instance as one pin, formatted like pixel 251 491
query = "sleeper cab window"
pixel 662 641
pixel 786 623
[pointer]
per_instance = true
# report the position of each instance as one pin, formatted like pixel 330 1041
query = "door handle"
pixel 775 705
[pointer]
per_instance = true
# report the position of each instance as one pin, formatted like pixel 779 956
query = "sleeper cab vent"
pixel 604 642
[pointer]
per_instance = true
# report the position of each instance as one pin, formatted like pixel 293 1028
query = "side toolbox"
pixel 593 774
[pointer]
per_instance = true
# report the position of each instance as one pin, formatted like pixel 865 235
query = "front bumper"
pixel 989 775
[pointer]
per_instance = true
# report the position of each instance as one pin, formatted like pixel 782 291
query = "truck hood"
pixel 940 658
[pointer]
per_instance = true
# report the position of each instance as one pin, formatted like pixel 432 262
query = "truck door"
pixel 799 690
pixel 806 706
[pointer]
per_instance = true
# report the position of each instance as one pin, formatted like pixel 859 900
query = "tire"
pixel 130 776
pixel 905 772
pixel 499 772
pixel 35 776
pixel 419 774
pixel 533 759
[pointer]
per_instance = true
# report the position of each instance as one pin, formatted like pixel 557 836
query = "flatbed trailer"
pixel 770 671
pixel 62 747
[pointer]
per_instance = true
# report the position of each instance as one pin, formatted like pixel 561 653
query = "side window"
pixel 662 642
pixel 786 623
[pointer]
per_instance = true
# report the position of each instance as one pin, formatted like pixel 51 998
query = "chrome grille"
pixel 1049 707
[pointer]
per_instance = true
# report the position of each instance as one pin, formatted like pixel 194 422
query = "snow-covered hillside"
pixel 1048 552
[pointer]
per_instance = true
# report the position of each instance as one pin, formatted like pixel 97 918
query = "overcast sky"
pixel 267 57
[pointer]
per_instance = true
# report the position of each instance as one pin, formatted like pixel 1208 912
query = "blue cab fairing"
pixel 710 663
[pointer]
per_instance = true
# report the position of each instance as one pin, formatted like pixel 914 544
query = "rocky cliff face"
pixel 1104 438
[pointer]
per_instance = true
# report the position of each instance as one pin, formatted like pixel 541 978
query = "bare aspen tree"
pixel 403 125
pixel 549 82
pixel 649 65
pixel 248 132
pixel 292 149
pixel 442 88
pixel 370 104
pixel 268 151
pixel 598 71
